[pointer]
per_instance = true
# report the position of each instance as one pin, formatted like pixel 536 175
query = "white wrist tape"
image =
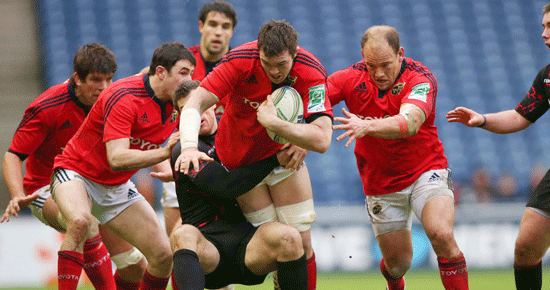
pixel 190 124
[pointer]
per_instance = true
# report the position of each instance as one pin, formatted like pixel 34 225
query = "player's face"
pixel 88 90
pixel 181 71
pixel 208 122
pixel 546 29
pixel 383 63
pixel 216 31
pixel 277 67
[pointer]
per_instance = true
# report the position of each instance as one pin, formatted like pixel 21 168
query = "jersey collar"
pixel 74 98
pixel 162 105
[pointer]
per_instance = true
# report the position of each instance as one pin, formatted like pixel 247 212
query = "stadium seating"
pixel 485 54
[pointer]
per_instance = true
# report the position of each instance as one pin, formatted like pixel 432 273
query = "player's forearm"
pixel 505 122
pixel 12 168
pixel 132 159
pixel 315 136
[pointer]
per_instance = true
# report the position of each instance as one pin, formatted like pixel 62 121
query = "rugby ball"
pixel 289 106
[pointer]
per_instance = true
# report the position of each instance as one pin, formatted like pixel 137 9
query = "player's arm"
pixel 504 122
pixel 12 168
pixel 121 157
pixel 162 171
pixel 405 124
pixel 314 136
pixel 190 120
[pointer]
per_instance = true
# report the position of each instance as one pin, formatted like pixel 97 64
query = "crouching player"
pixel 213 245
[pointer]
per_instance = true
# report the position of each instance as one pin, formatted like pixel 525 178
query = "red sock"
pixel 454 273
pixel 122 284
pixel 311 273
pixel 151 282
pixel 69 268
pixel 393 283
pixel 97 264
pixel 174 285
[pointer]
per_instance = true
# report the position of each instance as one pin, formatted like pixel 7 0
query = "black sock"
pixel 292 275
pixel 188 272
pixel 528 278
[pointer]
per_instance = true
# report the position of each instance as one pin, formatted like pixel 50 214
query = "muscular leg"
pixel 438 219
pixel 138 224
pixel 531 244
pixel 129 271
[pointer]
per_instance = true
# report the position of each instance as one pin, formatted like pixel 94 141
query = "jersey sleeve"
pixel 225 76
pixel 535 103
pixel 31 133
pixel 422 93
pixel 118 120
pixel 335 87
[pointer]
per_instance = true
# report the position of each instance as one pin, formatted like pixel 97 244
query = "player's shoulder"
pixel 247 51
pixel 195 48
pixel 307 60
pixel 416 70
pixel 53 96
pixel 132 85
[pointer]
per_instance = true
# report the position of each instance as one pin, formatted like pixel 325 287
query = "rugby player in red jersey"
pixel 123 132
pixel 247 75
pixel 48 124
pixel 533 239
pixel 391 102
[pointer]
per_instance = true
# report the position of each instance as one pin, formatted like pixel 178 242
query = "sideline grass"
pixel 497 279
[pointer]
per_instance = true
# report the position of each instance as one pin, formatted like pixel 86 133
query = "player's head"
pixel 209 124
pixel 278 45
pixel 546 24
pixel 217 21
pixel 383 55
pixel 171 64
pixel 94 66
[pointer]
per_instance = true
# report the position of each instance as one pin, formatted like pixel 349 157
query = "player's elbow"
pixel 323 144
pixel 116 164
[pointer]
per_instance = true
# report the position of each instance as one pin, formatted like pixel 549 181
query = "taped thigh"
pixel 299 215
pixel 127 258
pixel 262 216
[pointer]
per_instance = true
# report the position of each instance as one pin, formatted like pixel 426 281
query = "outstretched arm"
pixel 504 122
pixel 12 168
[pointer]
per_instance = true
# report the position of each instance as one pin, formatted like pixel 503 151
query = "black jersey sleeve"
pixel 216 180
pixel 535 103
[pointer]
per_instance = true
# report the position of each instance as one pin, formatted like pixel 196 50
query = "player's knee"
pixel 290 243
pixel 182 236
pixel 129 259
pixel 299 215
pixel 441 237
pixel 398 269
pixel 81 224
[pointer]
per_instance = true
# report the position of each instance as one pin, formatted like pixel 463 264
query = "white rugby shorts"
pixel 277 175
pixel 392 212
pixel 169 197
pixel 37 205
pixel 107 201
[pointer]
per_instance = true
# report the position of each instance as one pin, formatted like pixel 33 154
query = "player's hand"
pixel 188 156
pixel 163 176
pixel 16 204
pixel 465 116
pixel 172 141
pixel 354 126
pixel 266 112
pixel 292 155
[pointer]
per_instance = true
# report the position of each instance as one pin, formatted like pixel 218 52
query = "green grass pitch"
pixel 497 279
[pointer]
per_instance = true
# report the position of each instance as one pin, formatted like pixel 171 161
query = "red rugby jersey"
pixel 48 124
pixel 239 77
pixel 128 108
pixel 201 70
pixel 385 165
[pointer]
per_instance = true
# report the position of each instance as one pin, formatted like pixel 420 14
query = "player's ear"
pixel 77 79
pixel 401 53
pixel 201 25
pixel 160 71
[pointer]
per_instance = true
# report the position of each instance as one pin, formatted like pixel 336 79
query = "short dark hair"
pixel 276 36
pixel 546 8
pixel 167 54
pixel 389 33
pixel 183 90
pixel 218 6
pixel 91 58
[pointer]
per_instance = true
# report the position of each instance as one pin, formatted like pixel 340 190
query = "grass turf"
pixel 497 279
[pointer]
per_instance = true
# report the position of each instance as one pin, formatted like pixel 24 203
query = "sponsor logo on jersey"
pixel 316 99
pixel 143 144
pixel 361 88
pixel 174 116
pixel 420 92
pixel 254 105
pixel 547 82
pixel 435 177
pixel 251 79
pixel 376 208
pixel 397 88
pixel 372 118
pixel 66 125
pixel 144 118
